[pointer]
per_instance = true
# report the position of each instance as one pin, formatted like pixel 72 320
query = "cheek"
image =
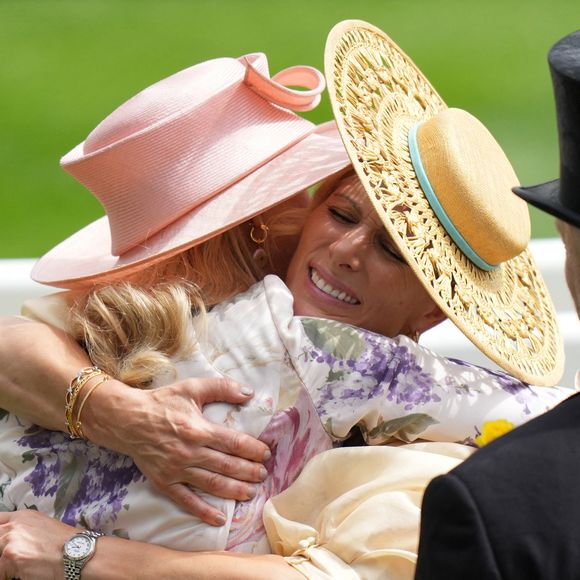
pixel 282 255
pixel 295 260
pixel 298 262
pixel 401 285
pixel 310 240
pixel 402 301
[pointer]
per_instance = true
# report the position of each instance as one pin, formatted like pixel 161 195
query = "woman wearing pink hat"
pixel 317 378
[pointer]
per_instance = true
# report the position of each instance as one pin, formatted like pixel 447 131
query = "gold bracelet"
pixel 78 428
pixel 73 391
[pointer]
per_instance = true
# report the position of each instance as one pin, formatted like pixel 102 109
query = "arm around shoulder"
pixel 37 362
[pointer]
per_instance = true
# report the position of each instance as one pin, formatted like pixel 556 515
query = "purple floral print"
pixel 87 482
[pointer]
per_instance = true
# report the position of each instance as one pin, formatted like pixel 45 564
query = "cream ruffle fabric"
pixel 51 309
pixel 363 523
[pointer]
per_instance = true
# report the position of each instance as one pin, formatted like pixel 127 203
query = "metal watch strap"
pixel 72 568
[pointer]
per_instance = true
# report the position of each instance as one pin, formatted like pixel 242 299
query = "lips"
pixel 326 287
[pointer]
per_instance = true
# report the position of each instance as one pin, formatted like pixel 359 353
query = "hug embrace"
pixel 296 316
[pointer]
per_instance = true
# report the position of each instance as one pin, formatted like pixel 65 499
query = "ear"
pixel 430 318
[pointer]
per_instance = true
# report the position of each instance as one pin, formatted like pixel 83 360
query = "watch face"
pixel 78 547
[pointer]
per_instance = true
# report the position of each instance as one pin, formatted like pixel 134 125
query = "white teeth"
pixel 328 289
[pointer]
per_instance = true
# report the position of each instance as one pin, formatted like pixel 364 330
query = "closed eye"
pixel 342 216
pixel 388 248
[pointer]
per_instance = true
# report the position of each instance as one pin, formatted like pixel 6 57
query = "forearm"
pixel 32 547
pixel 116 559
pixel 37 363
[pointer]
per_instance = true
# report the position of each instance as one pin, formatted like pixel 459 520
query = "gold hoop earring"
pixel 259 237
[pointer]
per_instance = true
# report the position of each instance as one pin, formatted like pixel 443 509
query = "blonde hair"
pixel 135 328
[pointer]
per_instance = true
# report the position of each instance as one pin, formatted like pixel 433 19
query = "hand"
pixel 31 545
pixel 171 442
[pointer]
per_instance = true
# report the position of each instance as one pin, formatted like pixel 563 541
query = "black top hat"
pixel 561 197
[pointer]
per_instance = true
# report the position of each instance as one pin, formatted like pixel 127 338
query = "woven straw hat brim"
pixel 378 94
pixel 85 258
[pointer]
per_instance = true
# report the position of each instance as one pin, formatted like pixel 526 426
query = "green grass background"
pixel 65 64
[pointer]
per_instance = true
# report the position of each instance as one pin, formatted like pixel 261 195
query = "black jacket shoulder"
pixel 512 510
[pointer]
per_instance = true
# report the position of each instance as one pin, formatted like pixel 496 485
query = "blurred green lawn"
pixel 67 64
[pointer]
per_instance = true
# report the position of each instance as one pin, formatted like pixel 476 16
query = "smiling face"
pixel 347 268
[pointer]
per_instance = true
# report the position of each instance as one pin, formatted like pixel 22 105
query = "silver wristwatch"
pixel 77 552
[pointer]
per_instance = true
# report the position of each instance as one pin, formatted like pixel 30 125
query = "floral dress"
pixel 315 380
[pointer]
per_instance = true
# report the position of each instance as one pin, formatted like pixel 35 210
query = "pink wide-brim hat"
pixel 188 158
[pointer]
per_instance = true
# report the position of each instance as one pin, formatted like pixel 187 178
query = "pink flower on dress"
pixel 295 436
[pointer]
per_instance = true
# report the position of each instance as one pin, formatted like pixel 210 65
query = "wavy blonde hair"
pixel 135 328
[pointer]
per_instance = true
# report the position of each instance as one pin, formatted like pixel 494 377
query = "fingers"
pixel 230 466
pixel 210 471
pixel 192 503
pixel 238 444
pixel 220 485
pixel 223 439
pixel 225 390
pixel 203 479
pixel 180 448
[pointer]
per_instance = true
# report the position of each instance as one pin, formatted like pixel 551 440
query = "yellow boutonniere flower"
pixel 492 430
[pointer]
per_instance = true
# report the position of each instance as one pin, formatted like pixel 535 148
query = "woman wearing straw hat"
pixel 345 259
pixel 512 510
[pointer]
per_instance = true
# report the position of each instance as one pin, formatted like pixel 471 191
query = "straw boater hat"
pixel 561 197
pixel 442 186
pixel 188 158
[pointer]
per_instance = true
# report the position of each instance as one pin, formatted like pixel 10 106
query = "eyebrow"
pixel 345 197
pixel 358 207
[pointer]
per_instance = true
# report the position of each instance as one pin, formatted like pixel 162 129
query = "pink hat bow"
pixel 276 89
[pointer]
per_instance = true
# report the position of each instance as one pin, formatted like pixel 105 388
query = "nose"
pixel 347 250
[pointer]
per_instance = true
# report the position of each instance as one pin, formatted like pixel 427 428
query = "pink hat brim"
pixel 85 258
